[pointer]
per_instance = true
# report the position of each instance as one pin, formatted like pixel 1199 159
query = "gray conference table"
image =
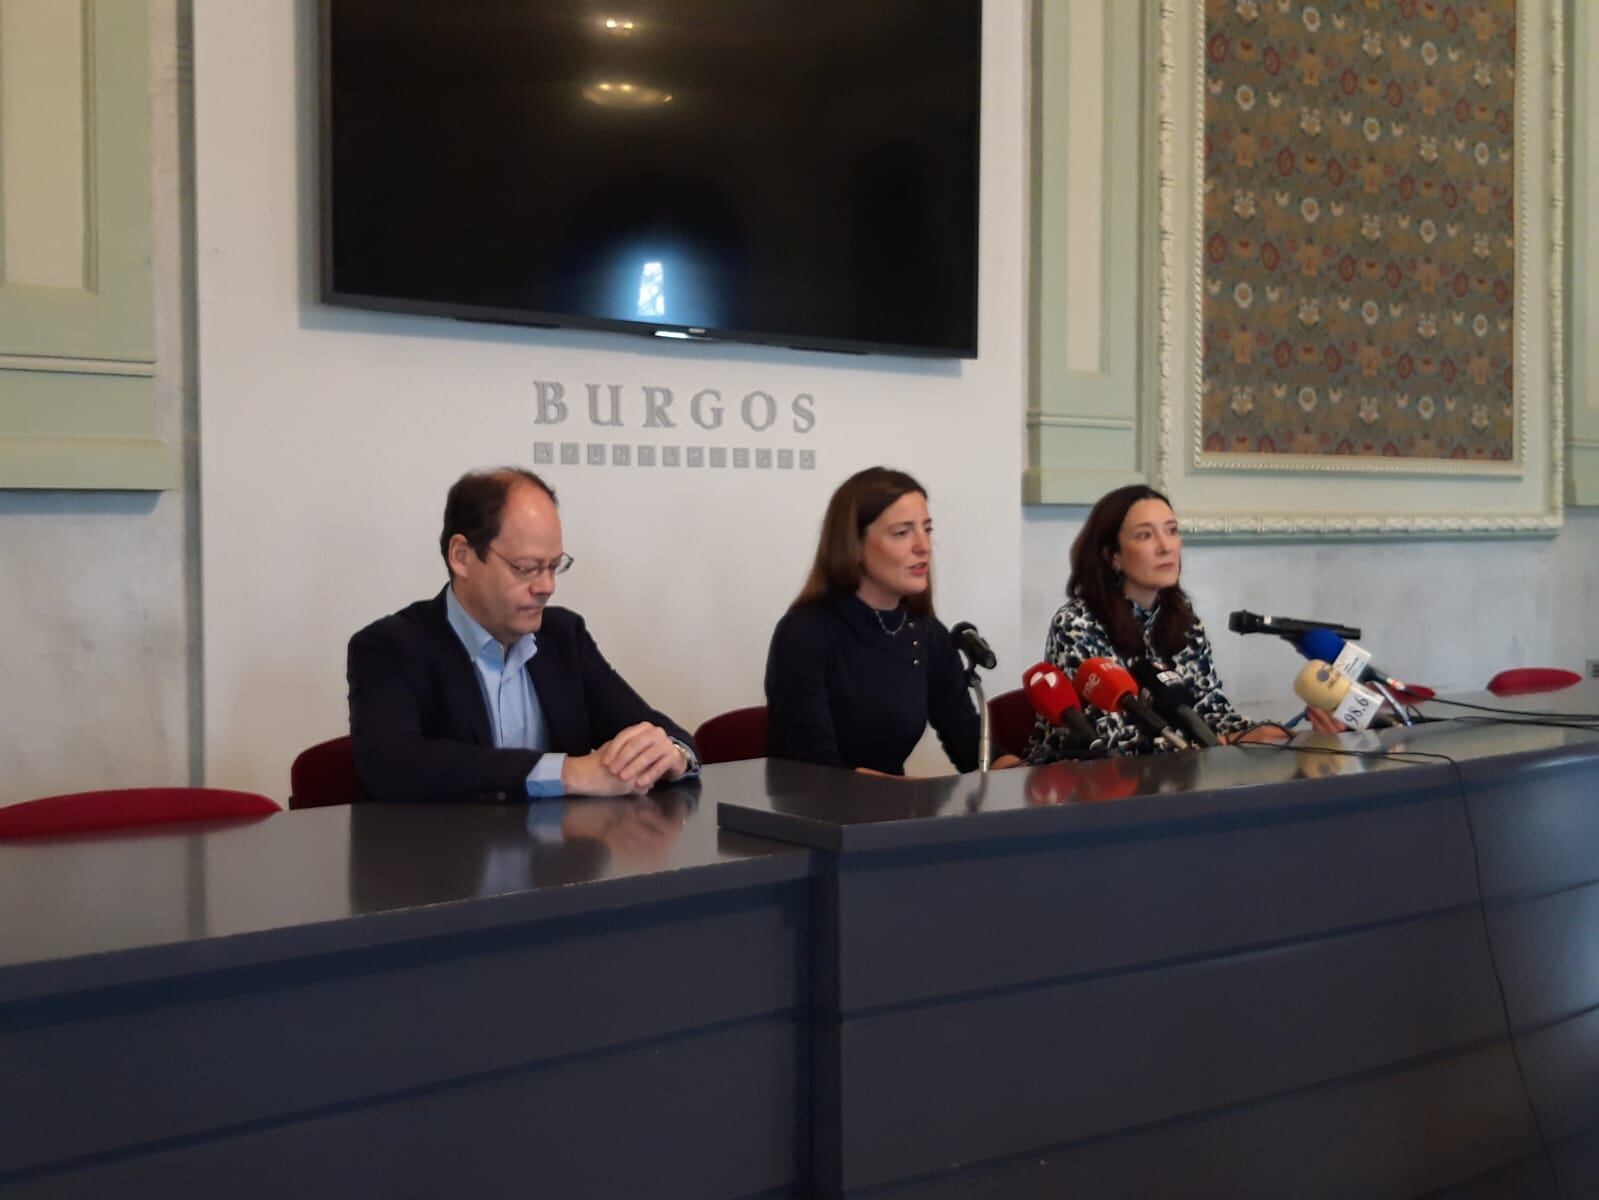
pixel 1242 972
pixel 406 1001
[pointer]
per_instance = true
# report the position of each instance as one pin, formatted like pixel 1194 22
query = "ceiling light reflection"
pixel 623 94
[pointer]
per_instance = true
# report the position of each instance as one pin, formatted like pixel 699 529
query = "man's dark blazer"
pixel 419 725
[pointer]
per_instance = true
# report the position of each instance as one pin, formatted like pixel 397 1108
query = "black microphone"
pixel 971 644
pixel 1173 699
pixel 1288 628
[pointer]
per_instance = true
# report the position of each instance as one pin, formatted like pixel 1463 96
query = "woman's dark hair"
pixel 841 549
pixel 477 502
pixel 1099 585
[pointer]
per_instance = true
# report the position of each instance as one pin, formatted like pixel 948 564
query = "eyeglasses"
pixel 528 572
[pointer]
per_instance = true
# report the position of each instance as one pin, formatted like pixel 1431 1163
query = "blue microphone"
pixel 1354 662
pixel 1346 657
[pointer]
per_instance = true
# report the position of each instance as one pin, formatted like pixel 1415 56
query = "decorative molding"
pixel 1366 526
pixel 1557 245
pixel 1348 464
pixel 1582 447
pixel 76 366
pixel 1060 421
pixel 1172 415
pixel 1166 105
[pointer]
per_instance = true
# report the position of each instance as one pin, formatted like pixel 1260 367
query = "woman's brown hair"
pixel 841 549
pixel 1099 585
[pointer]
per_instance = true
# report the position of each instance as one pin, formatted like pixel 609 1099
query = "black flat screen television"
pixel 789 172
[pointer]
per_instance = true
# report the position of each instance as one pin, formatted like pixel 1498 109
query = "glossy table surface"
pixel 100 908
pixel 840 812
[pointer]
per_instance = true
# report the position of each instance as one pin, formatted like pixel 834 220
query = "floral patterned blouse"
pixel 1075 634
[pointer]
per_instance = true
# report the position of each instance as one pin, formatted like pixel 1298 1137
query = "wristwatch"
pixel 691 761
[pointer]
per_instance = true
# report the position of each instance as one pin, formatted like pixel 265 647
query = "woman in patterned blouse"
pixel 1125 602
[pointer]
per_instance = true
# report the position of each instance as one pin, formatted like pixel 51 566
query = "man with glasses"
pixel 488 692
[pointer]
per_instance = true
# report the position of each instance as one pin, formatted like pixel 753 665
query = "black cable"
pixel 1415 757
pixel 1499 983
pixel 1482 911
pixel 1254 725
pixel 1514 712
pixel 1538 722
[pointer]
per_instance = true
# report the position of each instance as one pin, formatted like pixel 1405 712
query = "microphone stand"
pixel 974 801
pixel 976 685
pixel 1382 690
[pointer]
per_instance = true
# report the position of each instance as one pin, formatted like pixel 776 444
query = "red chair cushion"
pixel 733 736
pixel 1416 693
pixel 121 808
pixel 1521 680
pixel 1010 722
pixel 324 774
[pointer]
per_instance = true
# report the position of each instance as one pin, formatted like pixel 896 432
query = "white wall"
pixel 330 436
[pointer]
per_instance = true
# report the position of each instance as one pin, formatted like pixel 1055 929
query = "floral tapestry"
pixel 1358 244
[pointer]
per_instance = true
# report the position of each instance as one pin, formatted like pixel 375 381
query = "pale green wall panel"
pixel 87 464
pixel 43 170
pixel 1076 485
pixel 57 404
pixel 1088 158
pixel 75 363
pixel 1582 479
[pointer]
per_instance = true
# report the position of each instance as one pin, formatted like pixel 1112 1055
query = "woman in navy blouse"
pixel 859 665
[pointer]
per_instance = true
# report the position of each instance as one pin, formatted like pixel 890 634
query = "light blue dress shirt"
pixel 515 715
